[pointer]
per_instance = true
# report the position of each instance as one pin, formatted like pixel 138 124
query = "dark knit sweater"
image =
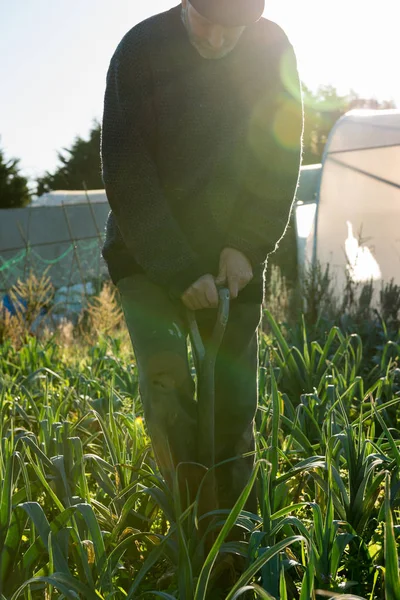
pixel 198 154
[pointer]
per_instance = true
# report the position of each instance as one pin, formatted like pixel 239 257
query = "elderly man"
pixel 201 148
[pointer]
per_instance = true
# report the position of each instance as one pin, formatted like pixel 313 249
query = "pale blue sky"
pixel 55 55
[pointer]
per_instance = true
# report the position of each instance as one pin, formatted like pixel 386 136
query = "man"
pixel 201 147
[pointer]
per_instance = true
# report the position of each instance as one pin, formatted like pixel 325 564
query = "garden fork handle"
pixel 205 359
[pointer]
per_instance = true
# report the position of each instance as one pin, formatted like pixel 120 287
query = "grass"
pixel 84 512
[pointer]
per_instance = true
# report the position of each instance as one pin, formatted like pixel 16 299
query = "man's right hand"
pixel 201 294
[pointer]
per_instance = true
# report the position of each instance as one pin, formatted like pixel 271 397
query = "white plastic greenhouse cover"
pixel 66 197
pixel 358 207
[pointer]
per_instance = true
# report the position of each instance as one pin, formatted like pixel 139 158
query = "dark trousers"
pixel 158 330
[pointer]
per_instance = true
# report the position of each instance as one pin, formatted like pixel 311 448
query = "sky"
pixel 55 55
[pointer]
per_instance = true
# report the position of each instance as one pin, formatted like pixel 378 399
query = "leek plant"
pixel 84 512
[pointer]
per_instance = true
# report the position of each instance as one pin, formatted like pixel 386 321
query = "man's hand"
pixel 235 270
pixel 201 294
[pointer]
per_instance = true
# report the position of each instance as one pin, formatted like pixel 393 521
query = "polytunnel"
pixel 356 225
pixel 60 234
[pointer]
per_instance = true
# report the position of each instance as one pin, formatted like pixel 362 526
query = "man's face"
pixel 211 40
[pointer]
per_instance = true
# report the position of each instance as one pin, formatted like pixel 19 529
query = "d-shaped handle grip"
pixel 218 333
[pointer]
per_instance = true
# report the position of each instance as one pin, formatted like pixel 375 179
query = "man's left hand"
pixel 235 271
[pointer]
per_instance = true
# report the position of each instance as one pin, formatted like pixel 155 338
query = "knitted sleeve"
pixel 130 175
pixel 272 164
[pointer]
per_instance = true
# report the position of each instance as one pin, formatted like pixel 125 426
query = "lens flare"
pixel 285 126
pixel 289 75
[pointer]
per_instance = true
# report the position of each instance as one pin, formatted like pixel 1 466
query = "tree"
pixel 80 168
pixel 321 111
pixel 355 101
pixel 14 192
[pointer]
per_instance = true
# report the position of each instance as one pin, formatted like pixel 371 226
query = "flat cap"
pixel 230 13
